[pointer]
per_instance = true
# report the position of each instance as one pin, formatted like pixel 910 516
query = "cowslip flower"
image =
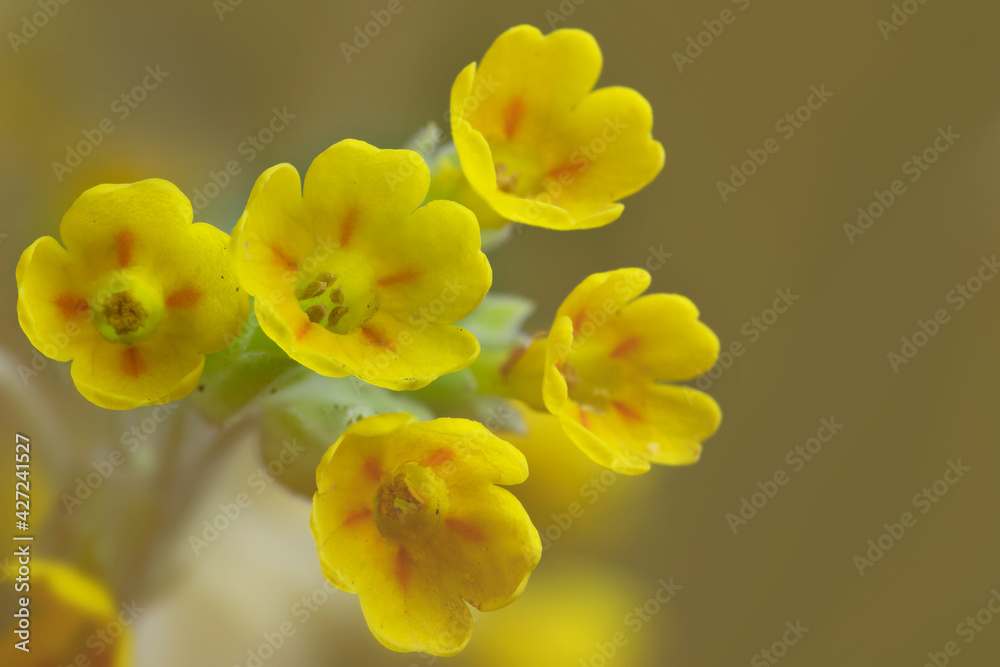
pixel 136 299
pixel 601 368
pixel 74 620
pixel 409 517
pixel 350 277
pixel 539 144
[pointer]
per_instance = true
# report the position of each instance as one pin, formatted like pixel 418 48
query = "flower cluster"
pixel 371 267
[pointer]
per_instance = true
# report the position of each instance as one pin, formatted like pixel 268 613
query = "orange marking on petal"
pixel 347 231
pixel 627 412
pixel 571 169
pixel 375 337
pixel 133 365
pixel 513 116
pixel 402 570
pixel 185 297
pixel 583 419
pixel 578 322
pixel 357 516
pixel 626 346
pixel 303 330
pixel 124 244
pixel 465 529
pixel 70 306
pixel 373 468
pixel 407 276
pixel 439 456
pixel 283 258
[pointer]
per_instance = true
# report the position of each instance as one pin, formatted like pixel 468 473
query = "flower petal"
pixel 431 264
pixel 272 236
pixel 117 226
pixel 52 306
pixel 602 294
pixel 660 336
pixel 205 306
pixel 490 545
pixel 121 377
pixel 360 194
pixel 412 609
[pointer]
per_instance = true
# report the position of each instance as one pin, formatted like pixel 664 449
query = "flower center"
pixel 596 386
pixel 128 306
pixel 411 504
pixel 340 296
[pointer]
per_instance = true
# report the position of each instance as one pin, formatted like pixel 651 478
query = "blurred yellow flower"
pixel 136 299
pixel 350 277
pixel 74 620
pixel 577 613
pixel 409 517
pixel 539 144
pixel 599 370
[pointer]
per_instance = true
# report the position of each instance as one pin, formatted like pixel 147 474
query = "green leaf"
pixel 251 366
pixel 303 420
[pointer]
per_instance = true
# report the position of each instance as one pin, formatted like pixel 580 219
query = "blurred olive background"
pixel 231 66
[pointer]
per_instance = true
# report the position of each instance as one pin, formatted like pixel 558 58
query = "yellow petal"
pixel 121 377
pixel 656 423
pixel 116 226
pixel 555 390
pixel 52 294
pixel 272 236
pixel 465 453
pixel 413 609
pixel 660 336
pixel 601 295
pixel 431 264
pixel 523 375
pixel 359 194
pixel 490 545
pixel 205 306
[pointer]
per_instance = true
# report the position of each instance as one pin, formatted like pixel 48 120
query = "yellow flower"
pixel 351 278
pixel 136 299
pixel 408 516
pixel 539 144
pixel 600 366
pixel 74 620
pixel 578 613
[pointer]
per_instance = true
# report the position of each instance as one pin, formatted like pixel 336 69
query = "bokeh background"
pixel 231 64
